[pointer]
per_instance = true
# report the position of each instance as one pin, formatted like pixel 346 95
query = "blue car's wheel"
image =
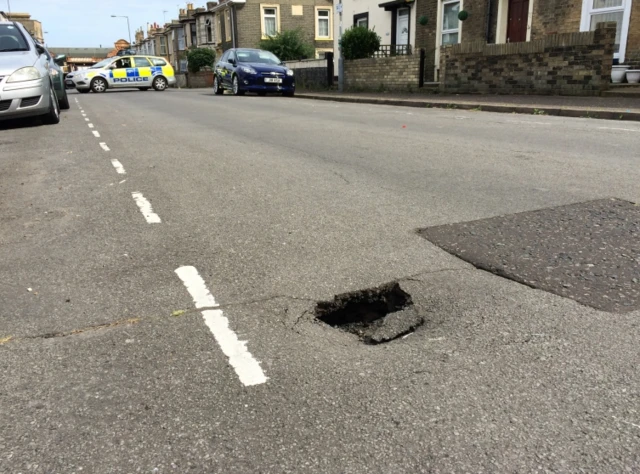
pixel 217 87
pixel 235 86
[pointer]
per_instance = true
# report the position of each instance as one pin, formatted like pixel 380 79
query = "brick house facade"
pixel 494 21
pixel 243 24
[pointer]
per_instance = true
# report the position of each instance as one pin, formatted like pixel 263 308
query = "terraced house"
pixel 243 23
pixel 430 24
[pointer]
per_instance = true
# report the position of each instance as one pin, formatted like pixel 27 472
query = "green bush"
pixel 359 42
pixel 288 45
pixel 199 58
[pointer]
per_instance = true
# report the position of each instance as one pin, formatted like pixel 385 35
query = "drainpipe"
pixel 488 32
pixel 233 25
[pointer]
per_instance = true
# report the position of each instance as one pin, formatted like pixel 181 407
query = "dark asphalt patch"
pixel 589 252
pixel 376 315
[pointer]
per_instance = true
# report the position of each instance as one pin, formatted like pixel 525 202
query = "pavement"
pixel 611 108
pixel 163 258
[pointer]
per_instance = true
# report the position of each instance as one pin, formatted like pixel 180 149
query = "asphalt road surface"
pixel 162 255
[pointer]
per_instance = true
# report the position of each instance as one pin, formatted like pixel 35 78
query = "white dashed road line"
pixel 104 146
pixel 90 125
pixel 146 209
pixel 85 117
pixel 118 166
pixel 246 367
pixel 96 134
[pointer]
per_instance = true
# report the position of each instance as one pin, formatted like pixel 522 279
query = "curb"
pixel 617 115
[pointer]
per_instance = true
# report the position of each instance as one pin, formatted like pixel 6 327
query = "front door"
pixel 518 21
pixel 121 72
pixel 402 27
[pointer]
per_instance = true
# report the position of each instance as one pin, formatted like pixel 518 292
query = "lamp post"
pixel 128 27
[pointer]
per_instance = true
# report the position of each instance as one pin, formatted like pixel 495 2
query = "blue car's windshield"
pixel 256 57
pixel 11 39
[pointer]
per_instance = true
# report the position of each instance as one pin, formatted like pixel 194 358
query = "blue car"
pixel 243 70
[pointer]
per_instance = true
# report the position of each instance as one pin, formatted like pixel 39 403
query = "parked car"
pixel 57 76
pixel 68 80
pixel 252 70
pixel 26 81
pixel 142 72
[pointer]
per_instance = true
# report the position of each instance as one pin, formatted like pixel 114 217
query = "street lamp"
pixel 128 27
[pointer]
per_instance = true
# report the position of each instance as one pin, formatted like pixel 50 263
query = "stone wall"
pixel 200 79
pixel 567 64
pixel 310 74
pixel 395 73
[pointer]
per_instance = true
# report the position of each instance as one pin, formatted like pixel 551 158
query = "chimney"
pixel 189 6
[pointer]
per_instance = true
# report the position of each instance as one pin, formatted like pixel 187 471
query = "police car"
pixel 142 72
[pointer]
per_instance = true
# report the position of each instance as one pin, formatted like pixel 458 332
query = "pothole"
pixel 376 315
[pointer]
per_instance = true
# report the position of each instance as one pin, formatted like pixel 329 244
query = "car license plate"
pixel 273 80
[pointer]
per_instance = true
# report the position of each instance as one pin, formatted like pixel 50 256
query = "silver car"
pixel 26 87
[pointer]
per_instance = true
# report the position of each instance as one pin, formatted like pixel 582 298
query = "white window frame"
pixel 208 30
pixel 442 30
pixel 264 6
pixel 329 19
pixel 320 51
pixel 625 8
pixel 364 20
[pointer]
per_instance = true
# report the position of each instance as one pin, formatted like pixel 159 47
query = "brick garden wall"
pixel 200 79
pixel 567 64
pixel 396 73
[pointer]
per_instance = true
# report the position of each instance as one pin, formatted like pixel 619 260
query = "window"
pixel 209 30
pixel 323 23
pixel 11 39
pixel 163 46
pixel 157 62
pixel 194 39
pixel 320 52
pixel 361 19
pixel 270 20
pixel 181 40
pixel 450 22
pixel 142 62
pixel 618 11
pixel 123 63
pixel 227 25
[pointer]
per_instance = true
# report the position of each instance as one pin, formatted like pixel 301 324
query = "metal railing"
pixel 393 50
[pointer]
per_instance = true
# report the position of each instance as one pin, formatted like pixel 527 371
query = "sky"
pixel 88 23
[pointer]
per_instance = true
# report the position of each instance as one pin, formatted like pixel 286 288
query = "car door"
pixel 220 66
pixel 230 67
pixel 120 72
pixel 143 71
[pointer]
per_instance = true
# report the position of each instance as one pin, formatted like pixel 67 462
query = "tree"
pixel 359 42
pixel 288 45
pixel 200 58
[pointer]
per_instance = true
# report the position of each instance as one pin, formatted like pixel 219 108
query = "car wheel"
pixel 99 85
pixel 83 91
pixel 53 116
pixel 144 88
pixel 235 86
pixel 64 103
pixel 217 87
pixel 159 83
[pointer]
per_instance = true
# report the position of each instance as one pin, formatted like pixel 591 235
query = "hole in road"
pixel 376 315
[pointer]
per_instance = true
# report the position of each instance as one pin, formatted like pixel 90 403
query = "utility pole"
pixel 340 58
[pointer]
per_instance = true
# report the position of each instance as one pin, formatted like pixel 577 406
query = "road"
pixel 157 311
